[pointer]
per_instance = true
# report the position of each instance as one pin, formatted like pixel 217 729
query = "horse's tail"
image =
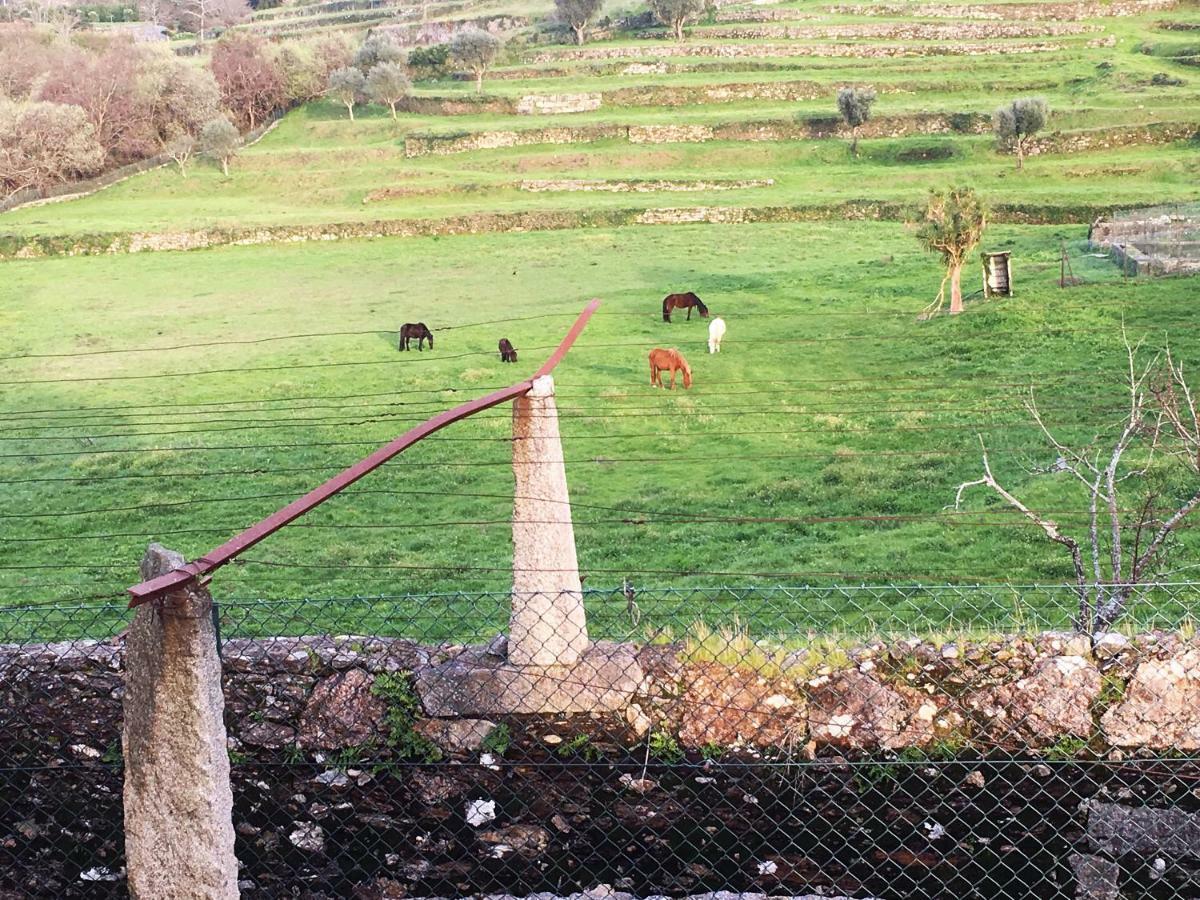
pixel 666 309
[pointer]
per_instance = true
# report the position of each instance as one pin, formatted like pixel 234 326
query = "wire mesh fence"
pixel 866 742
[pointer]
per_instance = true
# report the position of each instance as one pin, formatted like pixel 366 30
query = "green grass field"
pixel 833 417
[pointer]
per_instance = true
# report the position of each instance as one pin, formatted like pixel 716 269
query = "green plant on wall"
pixel 403 706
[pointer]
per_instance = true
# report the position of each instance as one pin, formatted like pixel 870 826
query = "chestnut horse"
pixel 668 360
pixel 683 301
pixel 415 331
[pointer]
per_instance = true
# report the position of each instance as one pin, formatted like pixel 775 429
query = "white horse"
pixel 716 331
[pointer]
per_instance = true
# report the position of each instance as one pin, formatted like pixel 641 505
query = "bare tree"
pixel 388 83
pixel 676 13
pixel 1126 543
pixel 475 50
pixel 203 15
pixel 855 106
pixel 1017 122
pixel 180 146
pixel 220 140
pixel 578 14
pixel 347 86
pixel 952 226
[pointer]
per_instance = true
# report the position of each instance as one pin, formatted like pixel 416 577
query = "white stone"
pixel 480 812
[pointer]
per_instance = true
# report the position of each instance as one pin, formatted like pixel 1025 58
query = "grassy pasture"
pixel 830 434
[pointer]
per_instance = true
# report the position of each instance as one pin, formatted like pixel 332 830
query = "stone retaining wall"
pixel 417 145
pixel 557 104
pixel 1107 138
pixel 427 33
pixel 1055 12
pixel 848 51
pixel 640 186
pixel 20 247
pixel 324 806
pixel 897 31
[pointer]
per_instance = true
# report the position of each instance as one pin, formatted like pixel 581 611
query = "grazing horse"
pixel 683 301
pixel 668 360
pixel 417 331
pixel 508 353
pixel 716 331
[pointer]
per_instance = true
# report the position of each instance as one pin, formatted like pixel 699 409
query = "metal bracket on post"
pixel 214 559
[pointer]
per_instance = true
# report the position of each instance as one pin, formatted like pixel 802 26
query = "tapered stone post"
pixel 547 627
pixel 178 802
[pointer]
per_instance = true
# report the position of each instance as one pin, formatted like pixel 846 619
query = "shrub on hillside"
pixel 1017 122
pixel 251 83
pixel 474 50
pixel 378 47
pixel 429 62
pixel 43 144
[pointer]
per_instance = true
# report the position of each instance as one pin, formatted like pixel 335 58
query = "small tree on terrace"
pixel 1138 484
pixel 1017 122
pixel 578 14
pixel 378 47
pixel 474 50
pixel 855 106
pixel 676 13
pixel 347 86
pixel 220 140
pixel 387 83
pixel 952 225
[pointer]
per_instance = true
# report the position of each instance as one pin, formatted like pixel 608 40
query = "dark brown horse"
pixel 508 353
pixel 683 301
pixel 668 360
pixel 417 331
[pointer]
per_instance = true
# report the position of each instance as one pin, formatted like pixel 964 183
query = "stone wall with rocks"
pixel 36 247
pixel 1053 12
pixel 558 104
pixel 1108 138
pixel 324 802
pixel 426 33
pixel 635 186
pixel 847 51
pixel 764 130
pixel 895 31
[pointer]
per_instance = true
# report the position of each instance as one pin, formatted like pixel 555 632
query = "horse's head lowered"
pixel 687 371
pixel 700 306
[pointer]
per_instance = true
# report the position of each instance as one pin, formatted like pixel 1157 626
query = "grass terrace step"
pixel 1056 12
pixel 896 31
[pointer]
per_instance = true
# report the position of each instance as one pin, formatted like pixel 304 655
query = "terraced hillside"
pixel 823 444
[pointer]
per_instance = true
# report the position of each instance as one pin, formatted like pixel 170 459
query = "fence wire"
pixel 859 742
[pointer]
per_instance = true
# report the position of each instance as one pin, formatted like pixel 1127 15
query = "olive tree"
pixel 388 83
pixel 674 14
pixel 347 86
pixel 951 226
pixel 855 106
pixel 578 14
pixel 220 140
pixel 474 50
pixel 378 47
pixel 1018 121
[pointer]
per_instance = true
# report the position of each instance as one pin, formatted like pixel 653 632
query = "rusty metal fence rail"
pixel 863 742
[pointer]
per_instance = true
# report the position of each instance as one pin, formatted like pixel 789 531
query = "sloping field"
pixel 823 444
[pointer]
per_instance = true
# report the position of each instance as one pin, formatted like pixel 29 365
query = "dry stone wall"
pixel 897 31
pixel 634 186
pixel 768 130
pixel 302 711
pixel 558 104
pixel 20 247
pixel 847 51
pixel 1054 12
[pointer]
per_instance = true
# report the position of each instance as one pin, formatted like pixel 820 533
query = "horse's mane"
pixel 700 303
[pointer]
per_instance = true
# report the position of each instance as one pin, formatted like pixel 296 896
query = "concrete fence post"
pixel 547 626
pixel 178 801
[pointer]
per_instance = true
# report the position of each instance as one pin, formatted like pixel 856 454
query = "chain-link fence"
pixel 1160 240
pixel 884 742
